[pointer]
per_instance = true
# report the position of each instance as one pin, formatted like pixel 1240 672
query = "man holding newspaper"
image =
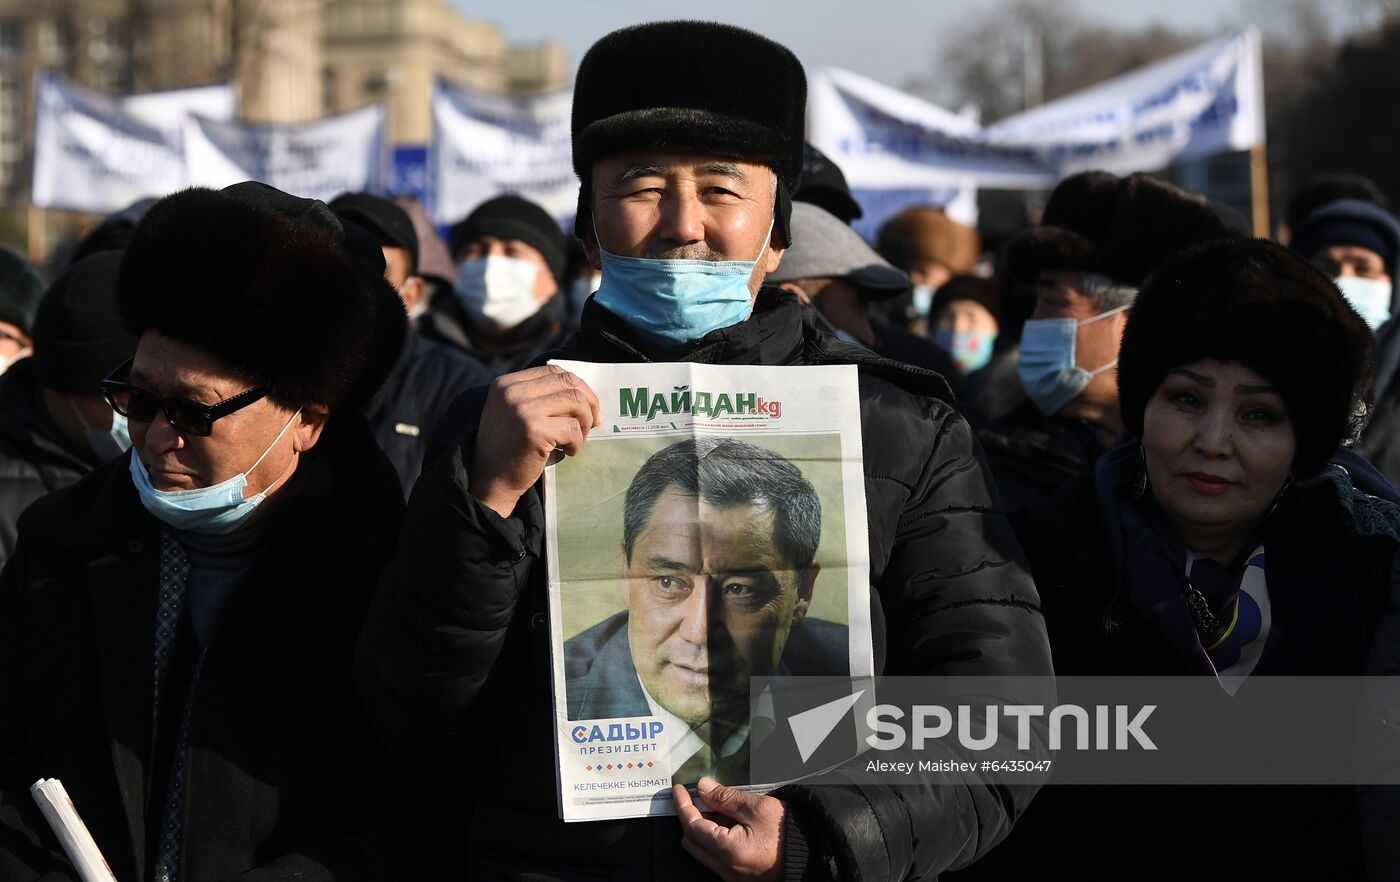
pixel 687 138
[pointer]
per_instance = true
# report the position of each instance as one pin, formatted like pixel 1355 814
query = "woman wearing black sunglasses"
pixel 176 629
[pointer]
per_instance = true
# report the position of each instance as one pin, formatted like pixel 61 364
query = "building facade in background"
pixel 293 60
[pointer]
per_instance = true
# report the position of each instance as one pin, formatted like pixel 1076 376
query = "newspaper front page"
pixel 711 529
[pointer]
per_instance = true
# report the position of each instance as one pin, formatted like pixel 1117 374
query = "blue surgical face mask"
pixel 218 508
pixel 1047 369
pixel 673 303
pixel 923 298
pixel 1369 297
pixel 970 350
pixel 108 443
pixel 580 289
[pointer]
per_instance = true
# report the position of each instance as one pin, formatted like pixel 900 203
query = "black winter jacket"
pixel 455 659
pixel 283 769
pixel 897 344
pixel 34 457
pixel 1329 550
pixel 1032 455
pixel 517 349
pixel 426 380
pixel 1381 440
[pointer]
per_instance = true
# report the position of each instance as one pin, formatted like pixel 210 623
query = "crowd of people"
pixel 274 597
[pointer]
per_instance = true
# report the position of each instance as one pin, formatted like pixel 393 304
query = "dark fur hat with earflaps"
pixel 1117 227
pixel 272 286
pixel 691 86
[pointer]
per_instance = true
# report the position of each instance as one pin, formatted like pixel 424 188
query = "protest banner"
pixel 883 138
pixel 320 159
pixel 99 153
pixel 1197 103
pixel 167 110
pixel 485 144
pixel 711 530
pixel 897 150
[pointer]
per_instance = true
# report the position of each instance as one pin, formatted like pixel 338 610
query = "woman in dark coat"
pixel 1222 544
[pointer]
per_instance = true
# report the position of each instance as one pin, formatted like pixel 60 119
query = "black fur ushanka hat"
pixel 691 86
pixel 272 286
pixel 1256 303
pixel 1116 227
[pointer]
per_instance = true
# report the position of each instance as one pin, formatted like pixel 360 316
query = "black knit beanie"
pixel 78 333
pixel 1350 222
pixel 512 217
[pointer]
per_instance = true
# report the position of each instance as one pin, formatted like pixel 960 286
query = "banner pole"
pixel 37 246
pixel 1259 189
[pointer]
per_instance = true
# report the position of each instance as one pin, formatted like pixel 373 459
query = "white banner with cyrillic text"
pixel 319 160
pixel 485 144
pixel 99 153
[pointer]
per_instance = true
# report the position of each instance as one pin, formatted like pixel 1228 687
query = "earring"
pixel 1140 483
pixel 1287 482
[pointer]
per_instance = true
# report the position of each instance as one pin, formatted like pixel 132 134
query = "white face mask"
pixel 498 292
pixel 1369 297
pixel 419 308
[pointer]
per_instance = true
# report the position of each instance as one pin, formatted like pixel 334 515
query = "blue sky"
pixel 887 40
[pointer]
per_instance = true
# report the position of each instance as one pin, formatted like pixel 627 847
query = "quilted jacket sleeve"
pixel 442 630
pixel 958 600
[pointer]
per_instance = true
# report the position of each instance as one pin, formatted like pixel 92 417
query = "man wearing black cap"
pixel 429 375
pixel 832 268
pixel 54 425
pixel 679 172
pixel 510 263
pixel 176 628
pixel 824 185
pixel 1100 237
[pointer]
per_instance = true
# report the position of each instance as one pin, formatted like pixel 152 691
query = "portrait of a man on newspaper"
pixel 719 546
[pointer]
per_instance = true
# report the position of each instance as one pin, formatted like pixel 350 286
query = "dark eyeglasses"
pixel 137 404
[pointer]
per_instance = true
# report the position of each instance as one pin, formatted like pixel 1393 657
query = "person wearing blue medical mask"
pixel 932 248
pixel 1069 348
pixel 215 483
pixel 54 426
pixel 832 269
pixel 688 239
pixel 1101 237
pixel 688 143
pixel 965 320
pixel 214 578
